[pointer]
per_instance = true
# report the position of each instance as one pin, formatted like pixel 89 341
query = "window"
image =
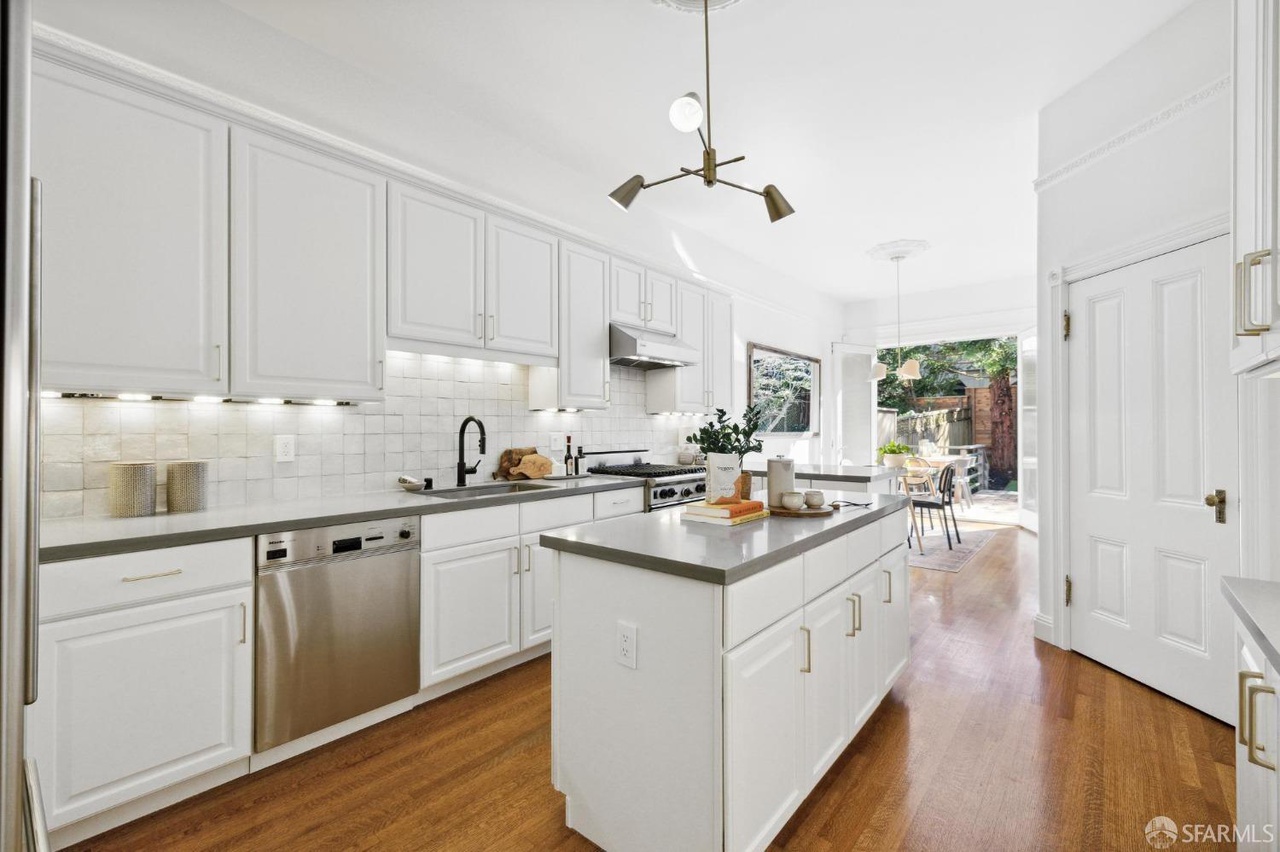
pixel 786 387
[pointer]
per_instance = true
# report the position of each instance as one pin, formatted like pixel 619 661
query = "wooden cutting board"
pixel 511 459
pixel 805 512
pixel 533 466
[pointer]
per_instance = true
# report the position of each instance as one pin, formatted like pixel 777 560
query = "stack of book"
pixel 726 516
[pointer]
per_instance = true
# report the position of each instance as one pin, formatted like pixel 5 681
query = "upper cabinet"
pixel 706 324
pixel 643 298
pixel 718 354
pixel 435 283
pixel 1254 233
pixel 521 288
pixel 134 238
pixel 308 272
pixel 582 379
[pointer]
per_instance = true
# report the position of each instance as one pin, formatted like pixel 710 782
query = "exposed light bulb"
pixel 686 112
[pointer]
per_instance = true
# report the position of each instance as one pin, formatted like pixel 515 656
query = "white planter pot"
pixel 895 459
pixel 722 475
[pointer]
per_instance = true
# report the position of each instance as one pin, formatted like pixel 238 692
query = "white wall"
pixel 972 312
pixel 1138 150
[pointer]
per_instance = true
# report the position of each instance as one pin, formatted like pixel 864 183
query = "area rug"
pixel 938 558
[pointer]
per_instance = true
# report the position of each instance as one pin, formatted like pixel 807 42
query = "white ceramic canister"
pixel 782 477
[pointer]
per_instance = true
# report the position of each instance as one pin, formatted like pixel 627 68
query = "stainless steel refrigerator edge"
pixel 21 816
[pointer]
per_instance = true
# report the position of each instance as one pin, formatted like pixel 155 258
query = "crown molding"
pixel 1144 128
pixel 54 45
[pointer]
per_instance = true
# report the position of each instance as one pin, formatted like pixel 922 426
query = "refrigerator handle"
pixel 37 828
pixel 33 456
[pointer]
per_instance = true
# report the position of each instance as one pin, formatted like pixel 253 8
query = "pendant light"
pixel 686 115
pixel 898 251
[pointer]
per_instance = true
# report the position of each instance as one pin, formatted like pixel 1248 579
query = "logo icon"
pixel 1161 832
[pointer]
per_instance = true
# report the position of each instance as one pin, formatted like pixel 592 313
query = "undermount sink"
pixel 475 492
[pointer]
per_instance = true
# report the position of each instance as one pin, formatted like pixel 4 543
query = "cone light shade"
pixel 625 194
pixel 910 370
pixel 777 205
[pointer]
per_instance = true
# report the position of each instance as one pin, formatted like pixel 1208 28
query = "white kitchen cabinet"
pixel 521 288
pixel 537 590
pixel 435 280
pixel 893 628
pixel 864 596
pixel 308 273
pixel 135 238
pixel 1254 227
pixel 137 699
pixel 685 389
pixel 629 301
pixel 764 737
pixel 663 295
pixel 470 607
pixel 718 354
pixel 582 378
pixel 1256 786
pixel 827 621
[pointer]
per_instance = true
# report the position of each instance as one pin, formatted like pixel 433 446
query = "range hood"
pixel 635 347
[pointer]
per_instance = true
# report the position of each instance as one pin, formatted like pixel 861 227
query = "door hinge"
pixel 1066 324
pixel 1068 589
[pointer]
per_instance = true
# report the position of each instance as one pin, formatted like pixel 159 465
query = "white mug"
pixel 792 500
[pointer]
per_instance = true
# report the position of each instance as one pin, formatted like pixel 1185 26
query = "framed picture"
pixel 786 387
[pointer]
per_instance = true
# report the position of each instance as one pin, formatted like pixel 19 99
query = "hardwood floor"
pixel 991 740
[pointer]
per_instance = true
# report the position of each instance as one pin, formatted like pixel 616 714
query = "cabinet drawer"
pixel 106 582
pixel 824 567
pixel 561 512
pixel 756 602
pixel 893 530
pixel 865 546
pixel 612 504
pixel 450 529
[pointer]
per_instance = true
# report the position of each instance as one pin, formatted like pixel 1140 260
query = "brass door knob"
pixel 1218 502
pixel 1211 500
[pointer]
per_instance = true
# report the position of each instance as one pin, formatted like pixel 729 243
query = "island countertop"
pixel 1257 604
pixel 838 472
pixel 663 541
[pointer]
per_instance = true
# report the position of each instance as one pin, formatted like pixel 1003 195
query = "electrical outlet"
pixel 625 652
pixel 286 448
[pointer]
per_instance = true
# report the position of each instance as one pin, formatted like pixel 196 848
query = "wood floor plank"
pixel 991 740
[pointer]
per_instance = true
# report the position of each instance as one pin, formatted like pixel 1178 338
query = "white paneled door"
pixel 1152 432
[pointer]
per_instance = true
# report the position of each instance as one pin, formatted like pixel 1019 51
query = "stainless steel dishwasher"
pixel 338 625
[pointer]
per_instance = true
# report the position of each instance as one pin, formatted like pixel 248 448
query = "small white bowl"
pixel 792 500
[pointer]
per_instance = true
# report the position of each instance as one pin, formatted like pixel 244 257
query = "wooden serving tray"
pixel 806 512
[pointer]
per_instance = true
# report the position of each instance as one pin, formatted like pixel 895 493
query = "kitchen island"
pixel 873 478
pixel 704 678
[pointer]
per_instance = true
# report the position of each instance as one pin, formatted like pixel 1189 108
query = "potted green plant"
pixel 894 454
pixel 725 444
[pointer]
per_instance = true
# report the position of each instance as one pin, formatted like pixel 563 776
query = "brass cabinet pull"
pixel 1242 678
pixel 244 623
pixel 31 496
pixel 1252 744
pixel 492 327
pixel 528 558
pixel 808 651
pixel 856 600
pixel 175 572
pixel 479 326
pixel 217 349
pixel 1243 275
pixel 889 575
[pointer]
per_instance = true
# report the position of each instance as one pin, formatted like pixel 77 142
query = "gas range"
pixel 665 484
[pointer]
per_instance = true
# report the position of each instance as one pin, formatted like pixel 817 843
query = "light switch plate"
pixel 286 448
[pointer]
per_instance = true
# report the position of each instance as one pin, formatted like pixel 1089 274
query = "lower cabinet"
pixel 894 631
pixel 764 753
pixel 470 607
pixel 1257 746
pixel 137 699
pixel 864 654
pixel 827 623
pixel 537 590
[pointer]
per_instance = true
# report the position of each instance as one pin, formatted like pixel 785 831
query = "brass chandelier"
pixel 687 115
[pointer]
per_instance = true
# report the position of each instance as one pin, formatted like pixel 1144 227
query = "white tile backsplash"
pixel 340 450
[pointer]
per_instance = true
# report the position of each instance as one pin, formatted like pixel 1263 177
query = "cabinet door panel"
pixel 308 273
pixel 520 288
pixel 470 607
pixel 764 734
pixel 826 684
pixel 894 634
pixel 866 591
pixel 664 302
pixel 691 386
pixel 435 283
pixel 719 351
pixel 584 324
pixel 1256 788
pixel 134 238
pixel 627 292
pixel 537 591
pixel 135 700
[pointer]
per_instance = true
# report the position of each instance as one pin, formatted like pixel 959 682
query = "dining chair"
pixel 963 492
pixel 913 485
pixel 942 499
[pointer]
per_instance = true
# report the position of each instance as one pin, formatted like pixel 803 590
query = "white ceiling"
pixel 878 120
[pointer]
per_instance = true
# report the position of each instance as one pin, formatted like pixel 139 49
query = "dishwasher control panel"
pixel 284 548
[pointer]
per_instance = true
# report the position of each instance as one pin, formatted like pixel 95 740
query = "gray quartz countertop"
pixel 77 538
pixel 838 472
pixel 1257 604
pixel 662 541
